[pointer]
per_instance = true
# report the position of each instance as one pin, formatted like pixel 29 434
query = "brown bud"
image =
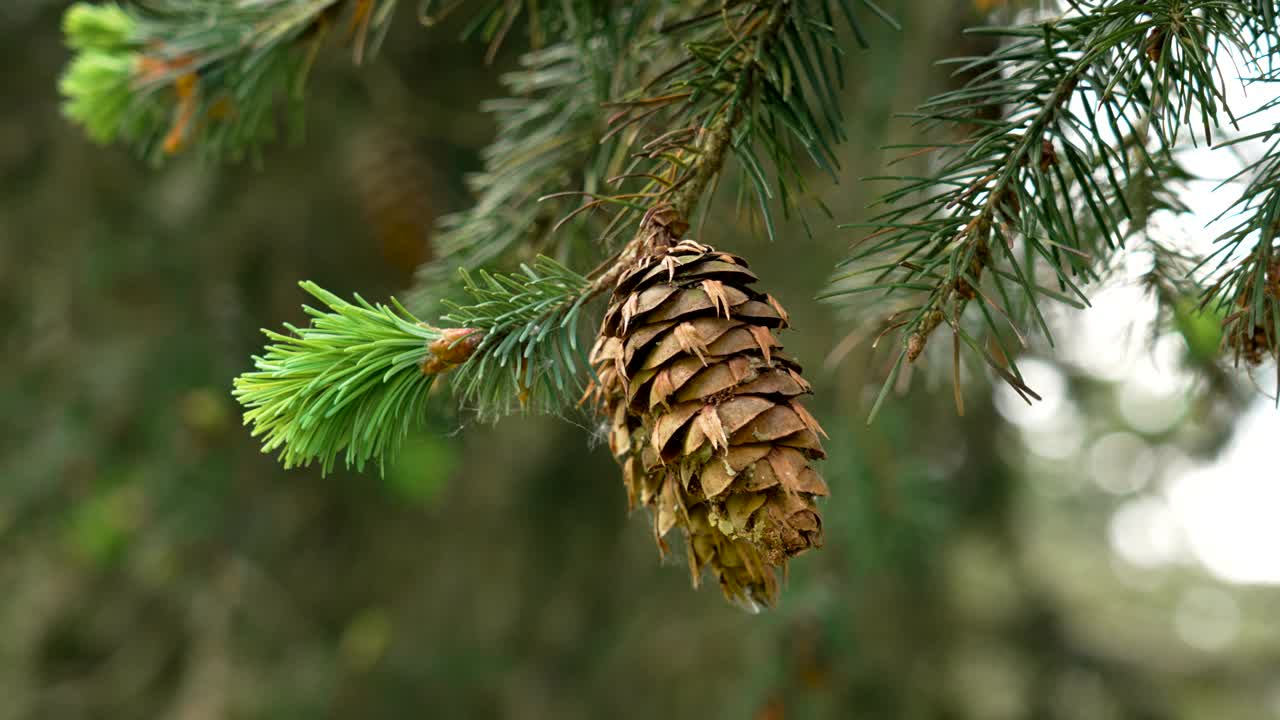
pixel 454 347
pixel 1155 44
pixel 915 346
pixel 1048 155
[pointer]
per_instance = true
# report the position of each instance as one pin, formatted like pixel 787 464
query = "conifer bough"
pixel 1040 171
pixel 352 382
pixel 1060 147
pixel 707 425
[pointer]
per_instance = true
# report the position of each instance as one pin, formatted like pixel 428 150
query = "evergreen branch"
pixel 530 358
pixel 545 141
pixel 693 157
pixel 357 378
pixel 759 78
pixel 1245 267
pixel 551 149
pixel 352 383
pixel 166 75
pixel 1066 115
pixel 730 99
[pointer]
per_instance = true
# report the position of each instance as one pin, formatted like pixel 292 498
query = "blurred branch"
pixel 168 75
pixel 546 138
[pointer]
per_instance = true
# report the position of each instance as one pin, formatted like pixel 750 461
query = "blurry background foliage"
pixel 156 565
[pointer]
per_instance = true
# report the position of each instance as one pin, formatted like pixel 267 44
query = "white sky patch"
pixel 1145 532
pixel 1228 508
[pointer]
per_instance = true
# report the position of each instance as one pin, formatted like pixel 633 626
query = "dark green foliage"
pixel 771 72
pixel 1038 167
pixel 547 140
pixel 529 359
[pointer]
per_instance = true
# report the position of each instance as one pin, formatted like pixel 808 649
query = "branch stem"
pixel 667 218
pixel 977 231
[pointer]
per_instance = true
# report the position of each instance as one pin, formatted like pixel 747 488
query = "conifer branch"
pixel 691 165
pixel 523 351
pixel 738 66
pixel 167 75
pixel 1245 267
pixel 754 79
pixel 1053 130
pixel 529 359
pixel 352 383
pixel 348 382
pixel 355 380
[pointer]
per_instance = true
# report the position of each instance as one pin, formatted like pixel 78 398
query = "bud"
pixel 454 347
pixel 97 27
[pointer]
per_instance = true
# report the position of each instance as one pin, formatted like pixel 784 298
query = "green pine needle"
pixel 349 384
pixel 530 359
pixel 773 73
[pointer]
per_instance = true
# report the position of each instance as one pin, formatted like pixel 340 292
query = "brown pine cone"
pixel 706 418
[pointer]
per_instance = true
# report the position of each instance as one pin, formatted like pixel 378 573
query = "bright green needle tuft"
pixel 350 384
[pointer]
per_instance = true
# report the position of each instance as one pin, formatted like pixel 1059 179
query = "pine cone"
pixel 706 421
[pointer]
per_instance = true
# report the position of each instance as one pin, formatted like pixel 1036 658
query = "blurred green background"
pixel 154 564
